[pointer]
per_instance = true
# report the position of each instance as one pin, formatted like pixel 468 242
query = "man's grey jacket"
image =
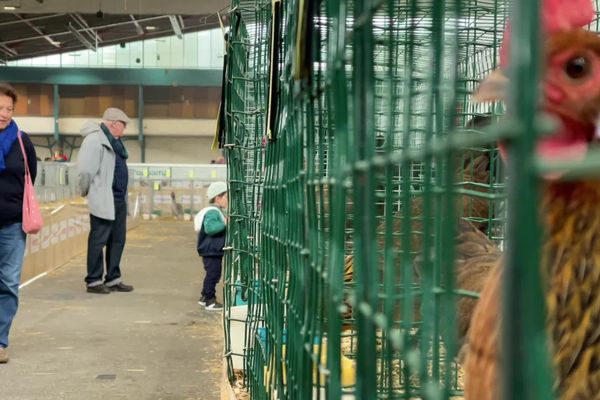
pixel 96 170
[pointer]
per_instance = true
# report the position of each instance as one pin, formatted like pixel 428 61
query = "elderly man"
pixel 103 178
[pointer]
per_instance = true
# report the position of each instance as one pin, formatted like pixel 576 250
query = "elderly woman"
pixel 12 237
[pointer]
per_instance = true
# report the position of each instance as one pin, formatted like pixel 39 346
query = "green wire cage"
pixel 355 156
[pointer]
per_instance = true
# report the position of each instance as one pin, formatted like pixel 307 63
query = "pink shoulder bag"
pixel 32 216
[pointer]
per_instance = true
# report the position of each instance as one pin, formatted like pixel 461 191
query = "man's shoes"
pixel 212 305
pixel 202 301
pixel 98 289
pixel 3 355
pixel 120 287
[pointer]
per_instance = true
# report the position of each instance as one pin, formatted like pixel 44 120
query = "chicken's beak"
pixel 493 87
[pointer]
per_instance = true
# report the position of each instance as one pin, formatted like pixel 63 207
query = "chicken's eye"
pixel 577 67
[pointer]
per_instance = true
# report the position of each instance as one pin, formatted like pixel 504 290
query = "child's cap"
pixel 215 189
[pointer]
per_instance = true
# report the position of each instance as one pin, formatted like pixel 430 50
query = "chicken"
pixel 570 263
pixel 475 175
pixel 476 257
pixel 475 252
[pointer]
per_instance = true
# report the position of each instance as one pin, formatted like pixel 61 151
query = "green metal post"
pixel 364 199
pixel 525 377
pixel 338 104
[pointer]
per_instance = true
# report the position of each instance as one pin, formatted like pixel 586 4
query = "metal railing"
pixel 155 189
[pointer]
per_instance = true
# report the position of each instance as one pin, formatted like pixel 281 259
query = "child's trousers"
pixel 212 266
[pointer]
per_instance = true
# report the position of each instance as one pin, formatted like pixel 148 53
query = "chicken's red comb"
pixel 557 15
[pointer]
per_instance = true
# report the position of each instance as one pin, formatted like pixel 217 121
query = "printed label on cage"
pixel 77 225
pixel 54 232
pixel 34 243
pixel 71 227
pixel 63 234
pixel 45 237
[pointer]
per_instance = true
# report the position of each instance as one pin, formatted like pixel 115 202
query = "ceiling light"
pixel 151 28
pixel 10 8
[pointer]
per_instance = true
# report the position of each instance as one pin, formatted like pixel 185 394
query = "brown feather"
pixel 571 270
pixel 476 258
pixel 570 262
pixel 475 252
pixel 482 355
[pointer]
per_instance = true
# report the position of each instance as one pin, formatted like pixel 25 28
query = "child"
pixel 211 225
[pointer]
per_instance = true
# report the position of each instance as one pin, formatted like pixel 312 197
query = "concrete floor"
pixel 155 343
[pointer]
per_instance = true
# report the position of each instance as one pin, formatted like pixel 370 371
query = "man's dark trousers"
pixel 104 232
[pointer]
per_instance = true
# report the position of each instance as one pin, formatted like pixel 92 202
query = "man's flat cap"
pixel 115 114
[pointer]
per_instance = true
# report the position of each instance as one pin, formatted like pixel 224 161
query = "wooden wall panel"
pixel 46 100
pixel 21 106
pixel 105 98
pixel 34 100
pixel 175 102
pixel 72 107
pixel 130 96
pixel 187 104
pixel 156 102
pixel 181 102
pixel 91 101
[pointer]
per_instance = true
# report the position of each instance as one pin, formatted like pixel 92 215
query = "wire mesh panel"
pixel 403 260
pixel 244 107
pixel 357 168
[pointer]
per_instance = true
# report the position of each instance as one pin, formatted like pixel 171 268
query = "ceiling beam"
pixel 39 31
pixel 138 27
pixel 176 27
pixel 23 39
pixel 92 33
pixel 20 21
pixel 121 7
pixel 107 42
pixel 83 40
pixel 8 50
